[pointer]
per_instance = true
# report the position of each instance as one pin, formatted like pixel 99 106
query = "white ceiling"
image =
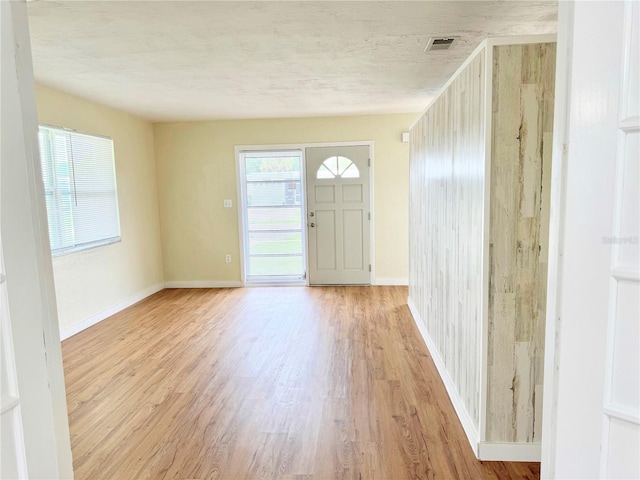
pixel 193 60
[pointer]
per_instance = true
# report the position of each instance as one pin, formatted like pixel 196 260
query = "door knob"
pixel 312 214
pixel 312 224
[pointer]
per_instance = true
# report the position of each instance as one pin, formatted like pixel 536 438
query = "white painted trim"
pixel 625 274
pixel 203 284
pixel 372 221
pixel 9 403
pixel 509 452
pixel 402 281
pixel 464 417
pixel 629 124
pixel 621 412
pixel 483 348
pixel 240 196
pixel 275 281
pixel 305 215
pixel 562 108
pixel 98 317
pixel 301 283
pixel 521 39
pixel 297 146
pixel 28 265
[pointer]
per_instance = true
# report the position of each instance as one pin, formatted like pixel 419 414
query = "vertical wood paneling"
pixel 523 88
pixel 446 218
pixel 447 183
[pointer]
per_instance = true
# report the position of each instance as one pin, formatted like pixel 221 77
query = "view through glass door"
pixel 273 217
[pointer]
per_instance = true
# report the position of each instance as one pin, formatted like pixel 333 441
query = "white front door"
pixel 591 425
pixel 338 215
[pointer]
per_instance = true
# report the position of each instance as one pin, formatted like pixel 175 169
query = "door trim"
pixel 28 265
pixel 556 238
pixel 238 149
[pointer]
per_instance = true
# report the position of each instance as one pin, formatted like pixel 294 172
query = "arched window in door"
pixel 337 167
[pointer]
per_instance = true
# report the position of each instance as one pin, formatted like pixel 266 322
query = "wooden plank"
pixel 520 187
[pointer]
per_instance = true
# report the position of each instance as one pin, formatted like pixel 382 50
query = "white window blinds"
pixel 80 188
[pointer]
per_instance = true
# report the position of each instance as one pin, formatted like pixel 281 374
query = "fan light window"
pixel 337 167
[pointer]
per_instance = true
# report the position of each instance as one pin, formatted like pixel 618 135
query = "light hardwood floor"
pixel 282 383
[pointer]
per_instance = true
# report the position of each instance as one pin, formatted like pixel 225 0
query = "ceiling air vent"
pixel 439 43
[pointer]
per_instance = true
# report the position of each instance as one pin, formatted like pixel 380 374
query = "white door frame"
pixel 27 255
pixel 556 237
pixel 299 146
pixel 569 356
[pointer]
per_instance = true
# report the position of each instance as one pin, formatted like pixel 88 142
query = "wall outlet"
pixel 228 258
pixel 228 203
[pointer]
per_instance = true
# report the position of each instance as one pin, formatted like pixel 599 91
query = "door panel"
pixel 325 194
pixel 14 463
pixel 353 239
pixel 338 215
pixel 325 243
pixel 621 406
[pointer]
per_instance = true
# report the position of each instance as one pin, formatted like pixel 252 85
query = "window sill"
pixel 85 247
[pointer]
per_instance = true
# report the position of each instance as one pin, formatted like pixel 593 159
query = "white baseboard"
pixel 510 452
pixel 488 451
pixel 403 281
pixel 202 284
pixel 467 424
pixel 98 317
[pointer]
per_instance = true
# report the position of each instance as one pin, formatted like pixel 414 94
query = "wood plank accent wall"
pixel 446 218
pixel 486 325
pixel 522 126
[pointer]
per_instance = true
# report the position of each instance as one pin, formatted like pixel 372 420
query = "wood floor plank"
pixel 266 383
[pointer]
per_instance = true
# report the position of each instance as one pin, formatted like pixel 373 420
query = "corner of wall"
pixel 104 314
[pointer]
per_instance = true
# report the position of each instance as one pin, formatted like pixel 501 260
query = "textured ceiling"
pixel 193 60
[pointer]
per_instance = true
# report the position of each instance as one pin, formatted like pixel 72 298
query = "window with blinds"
pixel 79 178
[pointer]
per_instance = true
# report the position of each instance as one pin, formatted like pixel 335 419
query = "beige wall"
pixel 174 227
pixel 92 281
pixel 197 171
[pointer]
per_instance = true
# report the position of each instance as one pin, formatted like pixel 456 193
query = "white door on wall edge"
pixel 592 374
pixel 34 441
pixel 338 215
pixel 621 400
